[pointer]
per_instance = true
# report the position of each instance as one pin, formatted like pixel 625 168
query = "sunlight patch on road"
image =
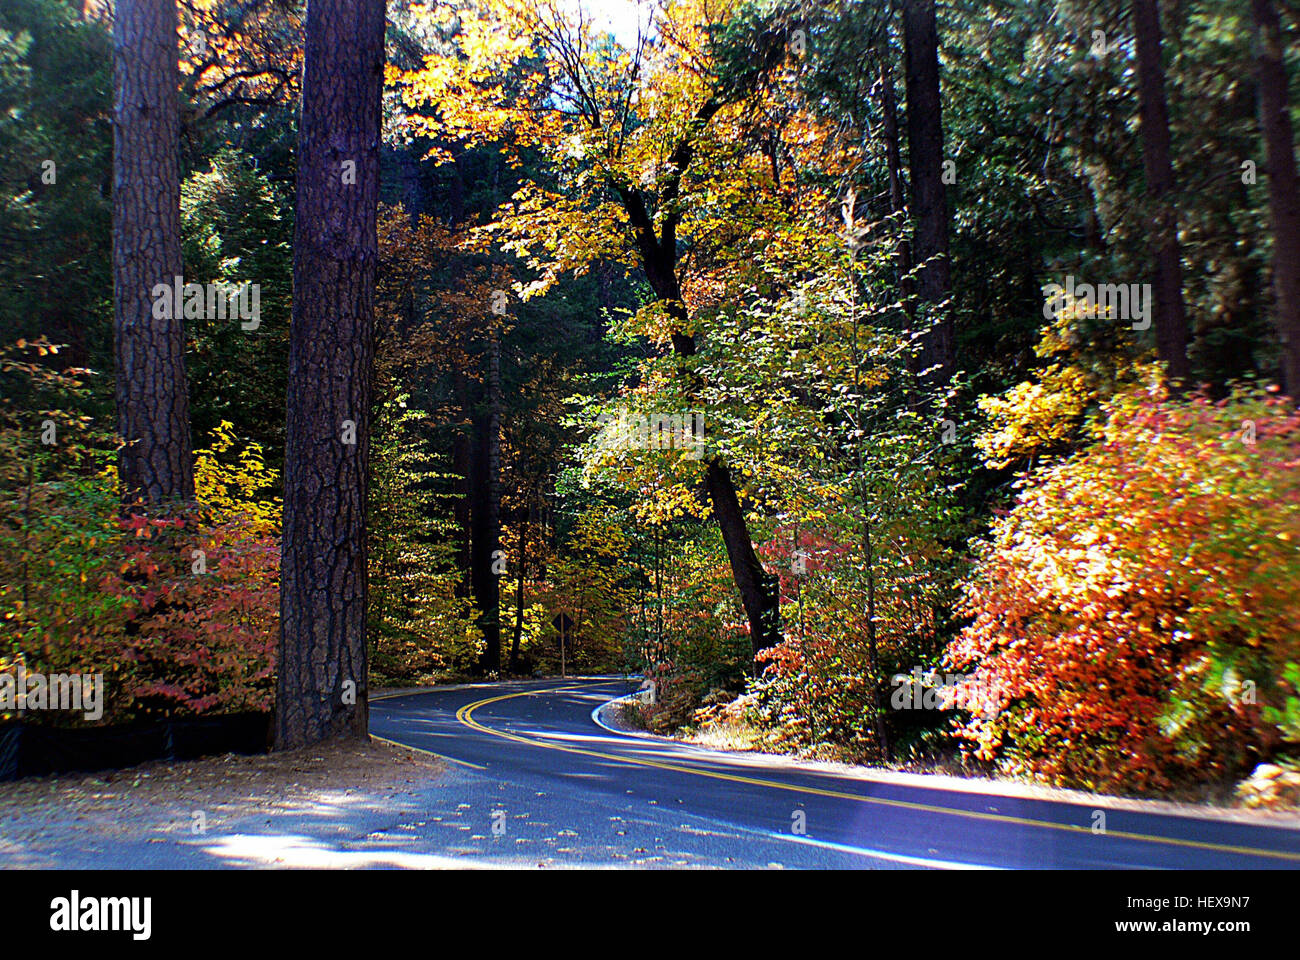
pixel 296 851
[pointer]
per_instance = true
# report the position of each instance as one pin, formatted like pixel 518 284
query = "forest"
pixel 901 382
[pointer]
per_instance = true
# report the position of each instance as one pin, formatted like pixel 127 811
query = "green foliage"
pixel 420 629
pixel 56 147
pixel 236 228
pixel 587 583
pixel 179 613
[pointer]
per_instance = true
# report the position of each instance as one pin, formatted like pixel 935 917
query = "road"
pixel 544 783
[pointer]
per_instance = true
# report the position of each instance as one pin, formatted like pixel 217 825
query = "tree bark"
pixel 1170 314
pixel 758 589
pixel 525 516
pixel 485 514
pixel 152 398
pixel 322 683
pixel 1283 194
pixel 894 164
pixel 462 465
pixel 936 356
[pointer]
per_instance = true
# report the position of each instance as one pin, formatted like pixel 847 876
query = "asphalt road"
pixel 543 782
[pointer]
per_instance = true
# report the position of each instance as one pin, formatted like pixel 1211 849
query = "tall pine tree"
pixel 322 661
pixel 153 410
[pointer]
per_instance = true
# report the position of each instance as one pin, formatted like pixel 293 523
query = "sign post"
pixel 564 624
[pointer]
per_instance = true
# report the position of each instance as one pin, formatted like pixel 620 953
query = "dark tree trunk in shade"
pixel 485 512
pixel 153 410
pixel 1283 192
pixel 462 466
pixel 525 515
pixel 897 196
pixel 1168 311
pixel 322 663
pixel 758 589
pixel 936 356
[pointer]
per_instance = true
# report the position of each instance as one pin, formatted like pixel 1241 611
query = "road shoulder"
pixel 608 717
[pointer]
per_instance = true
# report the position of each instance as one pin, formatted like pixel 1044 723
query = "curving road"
pixel 551 786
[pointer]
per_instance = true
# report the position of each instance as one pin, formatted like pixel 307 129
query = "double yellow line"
pixel 466 716
pixel 407 746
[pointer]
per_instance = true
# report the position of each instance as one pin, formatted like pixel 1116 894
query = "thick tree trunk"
pixel 322 664
pixel 153 407
pixel 1170 314
pixel 758 590
pixel 936 356
pixel 897 196
pixel 485 515
pixel 1283 193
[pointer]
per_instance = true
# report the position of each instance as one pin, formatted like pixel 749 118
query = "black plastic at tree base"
pixel 32 750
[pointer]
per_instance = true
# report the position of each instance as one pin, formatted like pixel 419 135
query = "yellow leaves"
pixel 1041 416
pixel 658 505
pixel 233 486
pixel 652 321
pixel 1032 418
pixel 41 345
pixel 555 233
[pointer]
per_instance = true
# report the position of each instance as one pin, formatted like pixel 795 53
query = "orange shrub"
pixel 1136 612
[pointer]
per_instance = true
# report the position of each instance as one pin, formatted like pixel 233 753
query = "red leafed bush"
pixel 172 631
pixel 200 635
pixel 1136 613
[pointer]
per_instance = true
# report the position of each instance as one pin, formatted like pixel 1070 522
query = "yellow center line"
pixel 466 716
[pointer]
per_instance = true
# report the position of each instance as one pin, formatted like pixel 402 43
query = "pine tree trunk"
pixel 153 407
pixel 525 516
pixel 485 517
pixel 1283 194
pixel 894 164
pixel 1170 314
pixel 936 357
pixel 462 467
pixel 322 664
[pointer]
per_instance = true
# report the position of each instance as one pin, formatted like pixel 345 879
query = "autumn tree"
pixel 153 413
pixel 322 660
pixel 628 128
pixel 241 55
